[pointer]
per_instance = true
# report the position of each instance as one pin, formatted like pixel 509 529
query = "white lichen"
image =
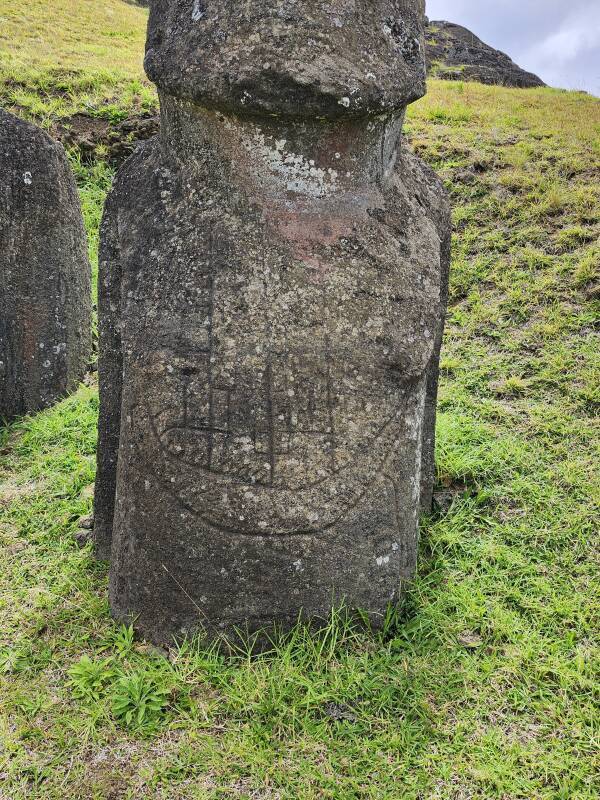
pixel 197 11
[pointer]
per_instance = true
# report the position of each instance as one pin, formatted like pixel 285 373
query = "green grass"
pixel 485 682
pixel 59 57
pixel 93 182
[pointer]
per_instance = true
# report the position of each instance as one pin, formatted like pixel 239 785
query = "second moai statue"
pixel 272 293
pixel 45 301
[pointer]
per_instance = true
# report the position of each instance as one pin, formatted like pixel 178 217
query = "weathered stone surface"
pixel 302 58
pixel 454 53
pixel 272 293
pixel 45 305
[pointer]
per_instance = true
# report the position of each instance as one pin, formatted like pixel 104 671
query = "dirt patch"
pixel 93 136
pixel 11 492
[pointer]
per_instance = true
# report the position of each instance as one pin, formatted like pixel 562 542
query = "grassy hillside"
pixel 485 683
pixel 62 56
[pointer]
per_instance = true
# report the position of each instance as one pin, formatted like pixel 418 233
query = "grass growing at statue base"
pixel 485 681
pixel 485 686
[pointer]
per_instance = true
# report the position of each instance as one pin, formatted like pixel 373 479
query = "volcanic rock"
pixel 454 53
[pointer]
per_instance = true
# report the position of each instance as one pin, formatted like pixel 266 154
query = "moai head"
pixel 303 58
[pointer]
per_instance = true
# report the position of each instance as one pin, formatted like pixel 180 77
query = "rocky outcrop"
pixel 454 53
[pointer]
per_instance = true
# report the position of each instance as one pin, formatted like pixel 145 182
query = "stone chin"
pixel 298 58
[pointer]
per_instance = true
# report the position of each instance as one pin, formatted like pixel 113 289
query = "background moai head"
pixel 303 58
pixel 45 295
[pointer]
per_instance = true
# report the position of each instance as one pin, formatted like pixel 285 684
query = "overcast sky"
pixel 559 40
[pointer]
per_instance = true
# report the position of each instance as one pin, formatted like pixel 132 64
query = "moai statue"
pixel 45 304
pixel 272 290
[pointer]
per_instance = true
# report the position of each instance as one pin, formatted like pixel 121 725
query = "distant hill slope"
pixel 454 53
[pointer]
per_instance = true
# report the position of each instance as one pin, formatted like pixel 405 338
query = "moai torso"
pixel 45 303
pixel 279 287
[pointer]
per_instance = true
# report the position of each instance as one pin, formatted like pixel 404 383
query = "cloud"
pixel 558 40
pixel 579 32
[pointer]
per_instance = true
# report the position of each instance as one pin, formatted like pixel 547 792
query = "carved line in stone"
pixel 396 515
pixel 226 479
pixel 404 545
pixel 274 534
pixel 217 527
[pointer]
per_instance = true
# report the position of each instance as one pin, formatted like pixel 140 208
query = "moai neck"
pixel 282 159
